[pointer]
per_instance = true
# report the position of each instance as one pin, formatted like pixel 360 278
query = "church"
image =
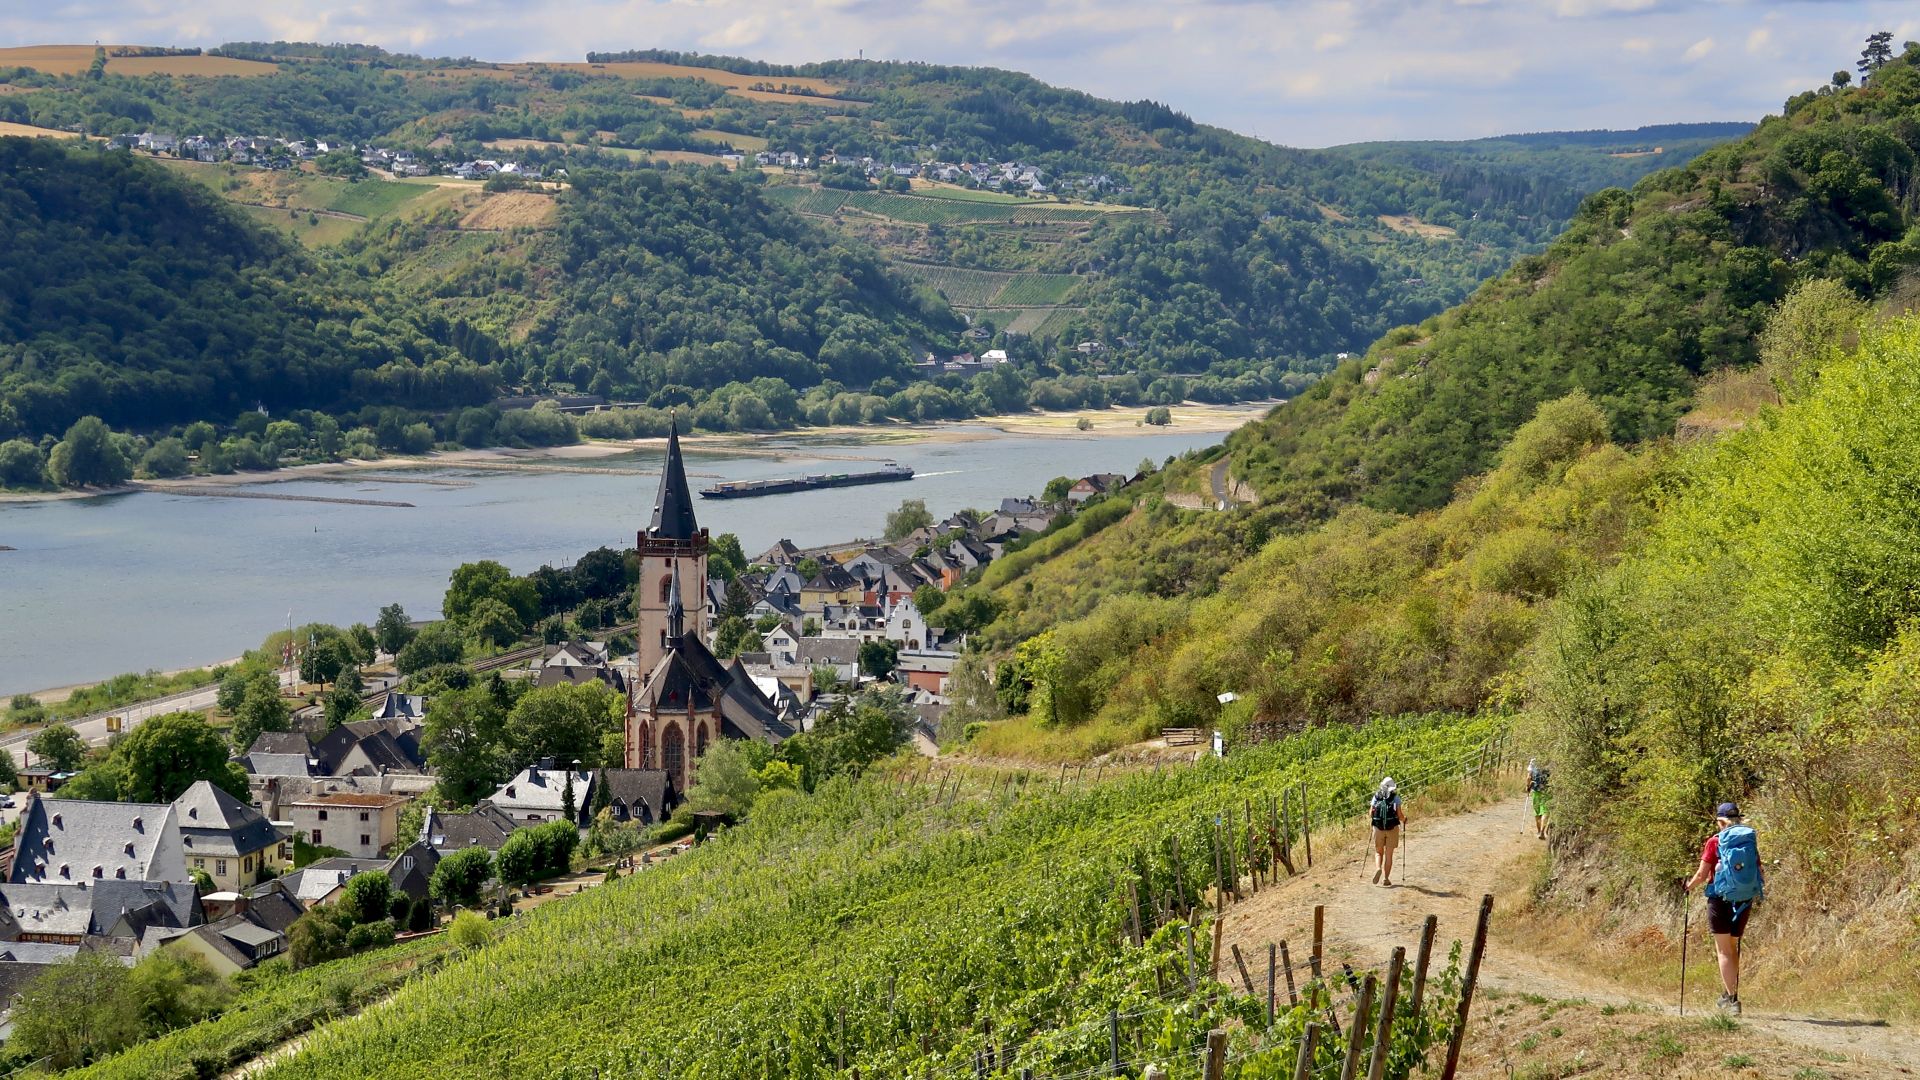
pixel 685 697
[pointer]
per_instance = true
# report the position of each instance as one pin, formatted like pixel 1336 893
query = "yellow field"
pixel 522 144
pixel 29 129
pixel 75 59
pixel 728 79
pixel 688 157
pixel 511 210
pixel 751 144
pixel 1413 226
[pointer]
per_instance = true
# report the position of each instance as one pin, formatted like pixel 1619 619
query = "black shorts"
pixel 1727 917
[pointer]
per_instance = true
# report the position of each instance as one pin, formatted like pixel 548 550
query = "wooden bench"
pixel 1180 736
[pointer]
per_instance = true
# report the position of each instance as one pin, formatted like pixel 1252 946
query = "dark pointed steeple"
pixel 673 507
pixel 676 609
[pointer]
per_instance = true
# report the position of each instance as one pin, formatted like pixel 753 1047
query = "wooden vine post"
pixel 1213 1060
pixel 1383 1034
pixel 1420 966
pixel 1306 826
pixel 1466 987
pixel 1303 1066
pixel 1319 937
pixel 1357 1030
pixel 1286 966
pixel 1245 979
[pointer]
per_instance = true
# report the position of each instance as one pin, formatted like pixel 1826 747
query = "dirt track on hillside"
pixel 1446 865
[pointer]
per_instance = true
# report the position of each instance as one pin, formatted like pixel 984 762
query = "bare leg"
pixel 1728 948
pixel 1386 866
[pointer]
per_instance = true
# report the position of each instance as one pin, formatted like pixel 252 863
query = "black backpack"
pixel 1386 812
pixel 1539 779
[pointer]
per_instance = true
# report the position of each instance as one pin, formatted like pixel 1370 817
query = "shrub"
pixel 469 930
pixel 371 934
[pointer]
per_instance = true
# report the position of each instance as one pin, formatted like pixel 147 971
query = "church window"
pixel 673 753
pixel 700 741
pixel 666 588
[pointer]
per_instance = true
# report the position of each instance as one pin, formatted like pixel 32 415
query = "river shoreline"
pixel 1107 423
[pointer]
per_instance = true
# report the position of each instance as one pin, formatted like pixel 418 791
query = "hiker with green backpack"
pixel 1537 790
pixel 1730 868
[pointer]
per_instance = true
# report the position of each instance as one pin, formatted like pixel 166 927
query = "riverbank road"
pixel 93 728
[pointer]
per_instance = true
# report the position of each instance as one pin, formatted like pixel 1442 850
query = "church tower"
pixel 672 547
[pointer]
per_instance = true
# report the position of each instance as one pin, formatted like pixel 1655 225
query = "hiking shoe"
pixel 1729 1004
pixel 1376 875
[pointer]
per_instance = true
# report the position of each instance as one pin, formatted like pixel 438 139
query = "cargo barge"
pixel 746 489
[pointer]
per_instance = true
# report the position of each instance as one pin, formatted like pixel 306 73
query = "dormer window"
pixel 64 871
pixel 97 872
pixel 139 825
pixel 56 821
pixel 120 872
pixel 129 849
pixel 49 845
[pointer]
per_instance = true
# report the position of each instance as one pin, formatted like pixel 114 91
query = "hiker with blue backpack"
pixel 1386 814
pixel 1537 791
pixel 1730 868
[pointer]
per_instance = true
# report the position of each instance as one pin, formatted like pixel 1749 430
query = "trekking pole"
pixel 1686 911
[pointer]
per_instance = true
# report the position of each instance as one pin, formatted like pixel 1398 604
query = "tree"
pixel 1159 416
pixel 1879 50
pixel 494 623
pixel 342 705
pixel 462 740
pixel 519 862
pixel 25 710
pixel 22 465
pixel 167 457
pixel 808 568
pixel 1056 489
pixel 87 457
pixel 171 988
pixel 737 601
pixel 166 755
pixel 316 937
pixel 263 709
pixel 458 877
pixel 564 722
pixel 74 1011
pixel 392 631
pixel 877 658
pixel 1842 77
pixel 725 559
pixel 58 747
pixel 1083 424
pixel 439 643
pixel 368 896
pixel 341 162
pixel 9 772
pixel 725 780
pixel 912 514
pixel 734 636
pixel 477 581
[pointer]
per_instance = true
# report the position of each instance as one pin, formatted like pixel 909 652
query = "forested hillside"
pixel 1645 293
pixel 1199 263
pixel 1492 512
pixel 129 295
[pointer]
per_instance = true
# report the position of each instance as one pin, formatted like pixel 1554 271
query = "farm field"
pixel 991 288
pixel 29 131
pixel 1413 226
pixel 311 230
pixel 751 144
pixel 922 931
pixel 522 144
pixel 75 59
pixel 511 210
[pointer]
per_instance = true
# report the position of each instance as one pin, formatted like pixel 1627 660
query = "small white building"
pixel 538 794
pixel 360 824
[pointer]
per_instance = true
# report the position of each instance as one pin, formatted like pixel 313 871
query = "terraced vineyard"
pixel 965 288
pixel 905 925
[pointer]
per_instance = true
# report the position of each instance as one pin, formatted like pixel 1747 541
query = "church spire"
pixel 673 506
pixel 676 609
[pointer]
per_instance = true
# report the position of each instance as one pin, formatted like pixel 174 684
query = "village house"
pixel 839 655
pixel 360 825
pixel 642 796
pixel 545 792
pixel 234 844
pixel 61 841
pixel 925 670
pixel 485 826
pixel 1098 484
pixel 321 881
pixel 905 626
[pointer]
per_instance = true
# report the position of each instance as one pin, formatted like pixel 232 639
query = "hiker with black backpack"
pixel 1730 868
pixel 1386 815
pixel 1537 788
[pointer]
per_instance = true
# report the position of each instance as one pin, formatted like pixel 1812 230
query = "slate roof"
pixel 260 764
pixel 673 505
pixel 317 880
pixel 576 675
pixel 273 908
pixel 818 651
pixel 689 676
pixel 396 706
pixel 213 822
pixel 84 910
pixel 651 788
pixel 487 826
pixel 281 742
pixel 125 841
pixel 832 578
pixel 411 871
pixel 543 791
pixel 392 743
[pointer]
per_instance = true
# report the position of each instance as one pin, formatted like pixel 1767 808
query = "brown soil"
pixel 1445 866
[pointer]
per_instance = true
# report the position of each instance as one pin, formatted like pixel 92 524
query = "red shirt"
pixel 1710 853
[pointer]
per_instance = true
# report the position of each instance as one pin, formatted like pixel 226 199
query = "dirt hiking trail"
pixel 1443 869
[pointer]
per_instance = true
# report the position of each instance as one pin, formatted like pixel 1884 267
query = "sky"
pixel 1297 72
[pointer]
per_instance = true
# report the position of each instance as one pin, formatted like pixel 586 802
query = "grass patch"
pixel 374 198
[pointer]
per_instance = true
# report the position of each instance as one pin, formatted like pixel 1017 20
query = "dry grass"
pixel 1526 1037
pixel 1726 400
pixel 75 59
pixel 1639 153
pixel 1413 226
pixel 511 210
pixel 35 132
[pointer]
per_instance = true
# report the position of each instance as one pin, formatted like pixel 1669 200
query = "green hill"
pixel 1208 264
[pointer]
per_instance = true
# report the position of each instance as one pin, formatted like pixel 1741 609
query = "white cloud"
pixel 1698 50
pixel 1759 38
pixel 1637 45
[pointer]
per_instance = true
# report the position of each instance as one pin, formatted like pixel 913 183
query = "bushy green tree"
pixel 87 457
pixel 58 747
pixel 912 514
pixel 458 877
pixel 564 722
pixel 438 643
pixel 392 631
pixel 367 896
pixel 22 465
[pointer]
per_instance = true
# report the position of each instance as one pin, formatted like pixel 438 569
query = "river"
pixel 154 580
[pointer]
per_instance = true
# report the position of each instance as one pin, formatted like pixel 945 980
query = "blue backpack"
pixel 1736 877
